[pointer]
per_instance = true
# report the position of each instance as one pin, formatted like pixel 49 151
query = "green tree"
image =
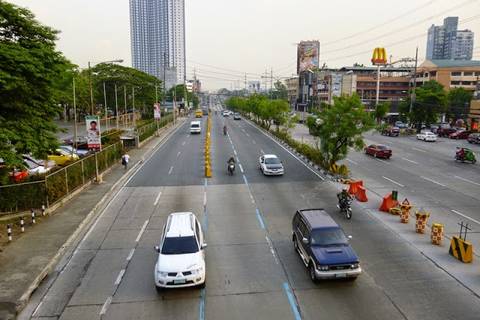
pixel 180 91
pixel 381 110
pixel 280 91
pixel 29 71
pixel 431 101
pixel 341 126
pixel 458 103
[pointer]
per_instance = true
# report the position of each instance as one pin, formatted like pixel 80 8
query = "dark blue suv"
pixel 323 246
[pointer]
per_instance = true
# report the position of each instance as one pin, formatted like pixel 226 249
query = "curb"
pixel 92 214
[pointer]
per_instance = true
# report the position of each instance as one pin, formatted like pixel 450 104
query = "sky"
pixel 228 38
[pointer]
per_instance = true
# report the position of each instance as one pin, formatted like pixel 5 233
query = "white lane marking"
pixel 253 141
pixel 351 161
pixel 141 231
pixel 381 160
pixel 178 153
pixel 119 277
pixel 170 171
pixel 433 181
pixel 241 168
pixel 204 198
pixel 278 143
pixel 183 143
pixel 421 150
pixel 466 180
pixel 261 151
pixel 270 245
pixel 465 216
pixel 130 255
pixel 157 198
pixel 247 134
pixel 37 308
pixel 235 151
pixel 393 181
pixel 410 160
pixel 106 305
pixel 251 197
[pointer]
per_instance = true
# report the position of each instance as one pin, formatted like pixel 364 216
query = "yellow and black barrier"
pixel 461 249
pixel 208 165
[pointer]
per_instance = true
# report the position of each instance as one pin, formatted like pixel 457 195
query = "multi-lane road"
pixel 253 271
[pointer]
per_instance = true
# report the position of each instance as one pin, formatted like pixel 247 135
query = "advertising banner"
pixel 156 111
pixel 308 55
pixel 93 132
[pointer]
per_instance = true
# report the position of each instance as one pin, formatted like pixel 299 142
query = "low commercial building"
pixel 292 85
pixel 450 73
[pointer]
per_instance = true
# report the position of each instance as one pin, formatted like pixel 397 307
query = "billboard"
pixel 379 57
pixel 93 132
pixel 156 111
pixel 308 55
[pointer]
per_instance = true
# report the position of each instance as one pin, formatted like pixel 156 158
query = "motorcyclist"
pixel 461 153
pixel 342 196
pixel 231 159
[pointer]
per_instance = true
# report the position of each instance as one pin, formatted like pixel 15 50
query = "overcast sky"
pixel 257 35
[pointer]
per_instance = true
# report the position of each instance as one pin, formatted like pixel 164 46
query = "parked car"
pixel 323 246
pixel 62 157
pixel 391 131
pixel 81 142
pixel 445 132
pixel 400 124
pixel 427 136
pixel 34 168
pixel 18 175
pixel 79 152
pixel 460 134
pixel 270 165
pixel 43 163
pixel 474 138
pixel 181 253
pixel 378 151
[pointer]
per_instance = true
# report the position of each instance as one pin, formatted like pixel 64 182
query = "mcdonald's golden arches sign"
pixel 379 56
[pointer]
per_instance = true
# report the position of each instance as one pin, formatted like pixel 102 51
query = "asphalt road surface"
pixel 253 271
pixel 427 174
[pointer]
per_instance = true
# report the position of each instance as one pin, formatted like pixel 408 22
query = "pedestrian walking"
pixel 125 160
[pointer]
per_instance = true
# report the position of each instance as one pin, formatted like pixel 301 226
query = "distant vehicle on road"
pixel 236 116
pixel 445 131
pixel 270 165
pixel 378 151
pixel 474 138
pixel 391 131
pixel 198 113
pixel 225 113
pixel 195 127
pixel 460 134
pixel 181 253
pixel 323 246
pixel 427 136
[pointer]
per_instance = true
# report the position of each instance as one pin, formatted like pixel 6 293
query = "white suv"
pixel 181 254
pixel 195 127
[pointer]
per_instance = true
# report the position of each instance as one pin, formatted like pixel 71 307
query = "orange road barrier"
pixel 421 221
pixel 388 203
pixel 437 234
pixel 405 211
pixel 354 186
pixel 361 194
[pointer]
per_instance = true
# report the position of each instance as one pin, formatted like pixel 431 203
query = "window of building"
pixel 456 74
pixel 455 83
pixel 468 73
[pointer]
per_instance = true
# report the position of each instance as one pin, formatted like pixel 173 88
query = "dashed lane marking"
pixel 119 277
pixel 157 198
pixel 465 216
pixel 393 181
pixel 270 245
pixel 421 150
pixel 106 305
pixel 433 181
pixel 241 168
pixel 260 219
pixel 466 180
pixel 411 161
pixel 141 231
pixel 170 171
pixel 130 255
pixel 178 153
pixel 351 161
pixel 183 143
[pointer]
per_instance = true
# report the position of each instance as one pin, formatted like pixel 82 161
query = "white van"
pixel 195 127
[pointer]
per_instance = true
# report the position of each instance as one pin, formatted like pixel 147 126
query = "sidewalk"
pixel 25 261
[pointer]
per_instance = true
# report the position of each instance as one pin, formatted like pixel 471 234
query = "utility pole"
pixel 91 88
pixel 164 76
pixel 413 95
pixel 116 105
pixel 74 117
pixel 125 116
pixel 106 109
pixel 133 103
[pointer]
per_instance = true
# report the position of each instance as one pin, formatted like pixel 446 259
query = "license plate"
pixel 179 281
pixel 340 275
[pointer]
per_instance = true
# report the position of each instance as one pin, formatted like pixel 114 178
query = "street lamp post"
pixel 106 109
pixel 116 105
pixel 90 79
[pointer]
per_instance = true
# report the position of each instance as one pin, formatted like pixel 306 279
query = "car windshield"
pixel 179 245
pixel 195 125
pixel 328 237
pixel 31 164
pixel 382 147
pixel 272 161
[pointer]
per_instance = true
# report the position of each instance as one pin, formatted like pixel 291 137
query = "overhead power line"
pixel 386 34
pixel 224 69
pixel 376 27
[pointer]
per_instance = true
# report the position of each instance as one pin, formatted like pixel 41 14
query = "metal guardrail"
pixel 59 184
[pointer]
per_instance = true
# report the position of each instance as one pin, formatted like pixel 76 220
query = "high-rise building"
pixel 446 42
pixel 158 38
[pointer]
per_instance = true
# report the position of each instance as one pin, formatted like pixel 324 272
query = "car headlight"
pixel 162 274
pixel 354 266
pixel 197 271
pixel 322 268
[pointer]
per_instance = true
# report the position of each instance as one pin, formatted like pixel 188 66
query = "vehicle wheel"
pixel 295 244
pixel 159 289
pixel 375 155
pixel 348 214
pixel 352 279
pixel 312 273
pixel 202 286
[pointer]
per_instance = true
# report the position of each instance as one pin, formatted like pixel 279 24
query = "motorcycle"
pixel 231 168
pixel 465 155
pixel 345 206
